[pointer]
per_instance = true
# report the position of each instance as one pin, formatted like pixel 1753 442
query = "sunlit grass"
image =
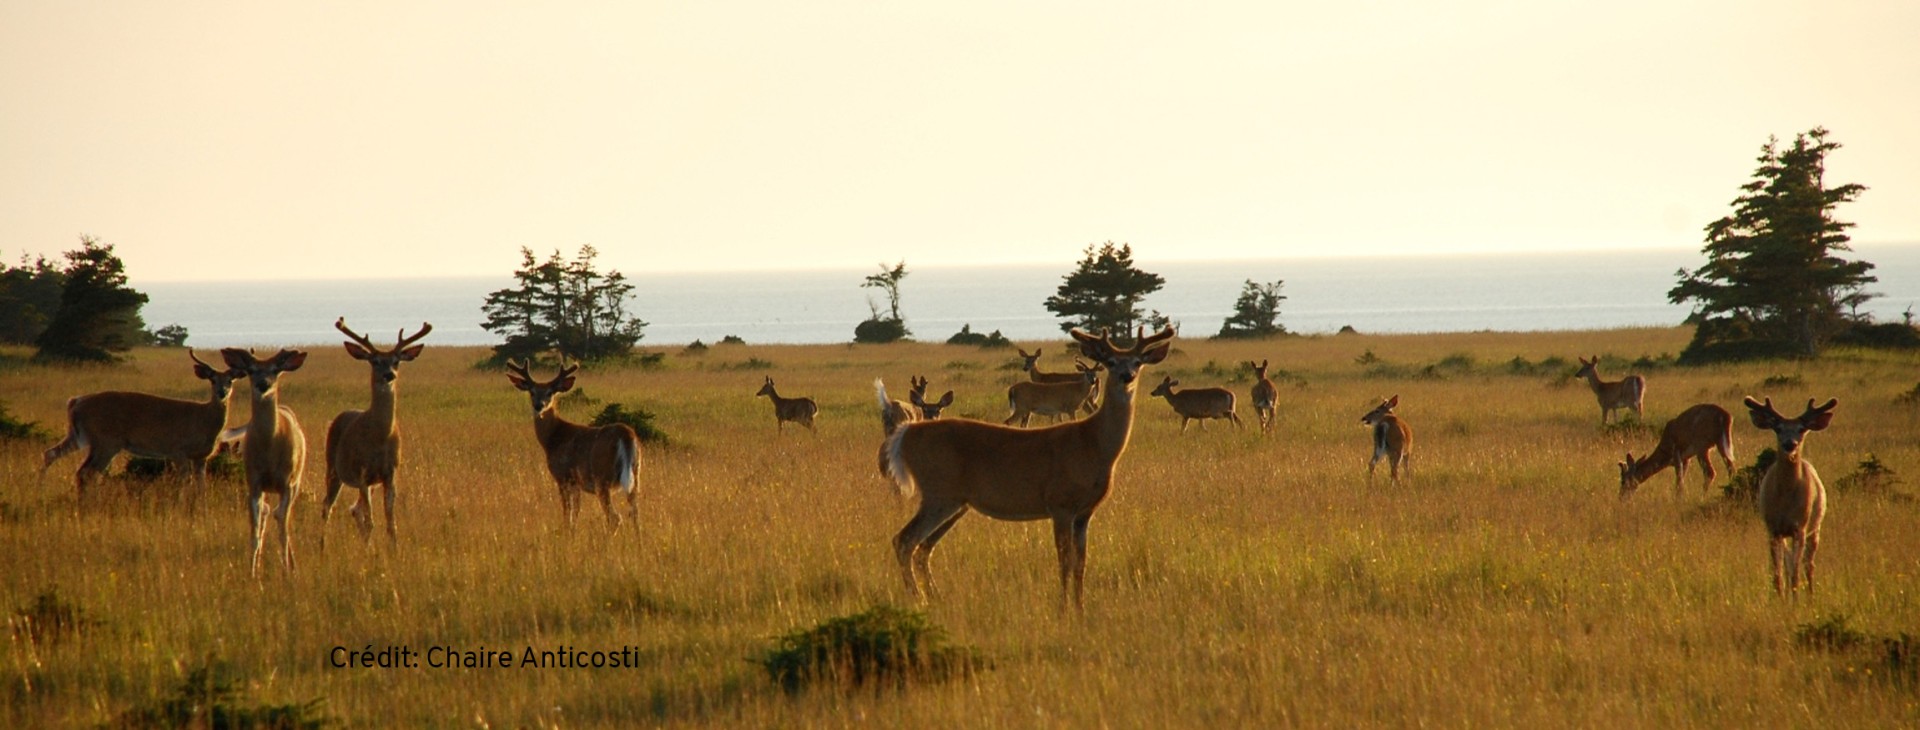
pixel 1233 579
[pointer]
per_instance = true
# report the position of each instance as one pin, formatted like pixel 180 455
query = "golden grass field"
pixel 1233 579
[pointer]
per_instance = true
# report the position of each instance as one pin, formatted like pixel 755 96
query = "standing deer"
pixel 363 447
pixel 1627 392
pixel 1031 365
pixel 1060 473
pixel 1691 434
pixel 1392 439
pixel 1197 404
pixel 275 449
pixel 183 432
pixel 917 394
pixel 797 410
pixel 582 459
pixel 1792 500
pixel 1027 398
pixel 1265 396
pixel 894 414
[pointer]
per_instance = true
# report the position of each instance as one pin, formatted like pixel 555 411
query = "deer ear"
pixel 412 352
pixel 1156 354
pixel 519 382
pixel 1394 402
pixel 1760 414
pixel 358 352
pixel 1819 422
pixel 235 357
pixel 563 385
pixel 946 400
pixel 203 372
pixel 291 360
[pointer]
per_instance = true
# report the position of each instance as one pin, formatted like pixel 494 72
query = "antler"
pixel 196 360
pixel 425 327
pixel 519 369
pixel 341 324
pixel 1812 411
pixel 1767 407
pixel 565 369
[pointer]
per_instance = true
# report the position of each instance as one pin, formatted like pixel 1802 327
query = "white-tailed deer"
pixel 1265 396
pixel 274 450
pixel 363 447
pixel 1792 500
pixel 1034 374
pixel 1691 434
pixel 797 410
pixel 894 414
pixel 1626 393
pixel 917 394
pixel 1392 440
pixel 183 432
pixel 1059 473
pixel 582 459
pixel 1197 404
pixel 1028 398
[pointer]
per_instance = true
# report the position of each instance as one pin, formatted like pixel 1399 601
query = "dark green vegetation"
pixel 1104 293
pixel 563 306
pixel 1255 314
pixel 880 647
pixel 880 329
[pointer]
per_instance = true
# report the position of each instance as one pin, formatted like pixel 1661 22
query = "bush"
pixel 223 466
pixel 880 331
pixel 1745 483
pixel 966 336
pixel 883 646
pixel 638 419
pixel 732 340
pixel 14 429
pixel 210 696
pixel 49 620
pixel 696 348
pixel 172 335
pixel 1887 336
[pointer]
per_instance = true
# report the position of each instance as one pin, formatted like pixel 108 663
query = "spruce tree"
pixel 564 306
pixel 1255 314
pixel 99 314
pixel 1105 292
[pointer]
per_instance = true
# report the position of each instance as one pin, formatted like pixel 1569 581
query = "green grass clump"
pixel 884 645
pixel 14 429
pixel 638 419
pixel 210 696
pixel 49 619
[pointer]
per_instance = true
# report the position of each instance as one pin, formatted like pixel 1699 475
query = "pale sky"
pixel 246 140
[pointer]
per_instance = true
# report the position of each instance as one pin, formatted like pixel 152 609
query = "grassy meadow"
pixel 1233 578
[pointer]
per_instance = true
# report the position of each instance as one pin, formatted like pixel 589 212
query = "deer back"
pixel 147 425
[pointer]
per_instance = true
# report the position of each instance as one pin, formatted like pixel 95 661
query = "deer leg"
pixel 633 508
pixel 923 557
pixel 283 514
pixel 1183 424
pixel 1063 547
pixel 929 519
pixel 1706 470
pixel 1776 549
pixel 606 505
pixel 1679 475
pixel 95 465
pixel 1811 546
pixel 386 491
pixel 1235 418
pixel 1080 557
pixel 256 508
pixel 326 506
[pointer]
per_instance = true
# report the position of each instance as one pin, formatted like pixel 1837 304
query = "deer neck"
pixel 1646 466
pixel 1594 381
pixel 266 415
pixel 1112 425
pixel 547 424
pixel 381 411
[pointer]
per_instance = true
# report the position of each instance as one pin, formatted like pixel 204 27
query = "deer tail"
pixel 897 468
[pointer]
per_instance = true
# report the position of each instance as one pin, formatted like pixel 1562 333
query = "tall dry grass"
pixel 1233 579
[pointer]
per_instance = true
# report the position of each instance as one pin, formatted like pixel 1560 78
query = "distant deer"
pixel 1792 500
pixel 1197 404
pixel 1265 396
pixel 797 410
pixel 894 414
pixel 1392 439
pixel 1691 434
pixel 183 432
pixel 917 394
pixel 582 459
pixel 1624 393
pixel 1032 367
pixel 363 447
pixel 274 450
pixel 1025 399
pixel 1059 473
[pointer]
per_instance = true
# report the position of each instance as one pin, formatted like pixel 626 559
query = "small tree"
pixel 878 329
pixel 29 295
pixel 1104 292
pixel 1772 284
pixel 1255 314
pixel 173 335
pixel 99 314
pixel 565 306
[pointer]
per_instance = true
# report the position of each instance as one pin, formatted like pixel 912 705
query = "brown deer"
pixel 1032 367
pixel 797 410
pixel 917 394
pixel 582 459
pixel 894 414
pixel 183 432
pixel 1059 473
pixel 1197 404
pixel 1627 392
pixel 1265 396
pixel 1691 434
pixel 1392 440
pixel 274 449
pixel 1792 499
pixel 1027 398
pixel 363 447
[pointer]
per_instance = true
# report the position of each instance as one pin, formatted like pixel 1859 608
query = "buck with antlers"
pixel 1792 500
pixel 797 410
pixel 1059 473
pixel 363 447
pixel 275 449
pixel 1265 396
pixel 582 459
pixel 1028 398
pixel 1197 404
pixel 1691 434
pixel 1392 439
pixel 183 432
pixel 1626 393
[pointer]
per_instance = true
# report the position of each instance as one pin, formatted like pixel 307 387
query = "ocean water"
pixel 1399 295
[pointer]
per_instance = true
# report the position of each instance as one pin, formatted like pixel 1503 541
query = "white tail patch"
pixel 880 393
pixel 624 461
pixel 897 467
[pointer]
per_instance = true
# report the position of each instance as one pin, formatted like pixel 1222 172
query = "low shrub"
pixel 638 419
pixel 884 646
pixel 210 696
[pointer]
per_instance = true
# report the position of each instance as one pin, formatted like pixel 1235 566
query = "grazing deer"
pixel 1053 399
pixel 797 410
pixel 1792 500
pixel 363 447
pixel 183 432
pixel 1264 396
pixel 1627 392
pixel 1691 434
pixel 1034 374
pixel 1392 439
pixel 582 459
pixel 1197 404
pixel 1060 473
pixel 275 449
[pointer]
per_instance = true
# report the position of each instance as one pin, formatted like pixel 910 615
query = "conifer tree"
pixel 1255 314
pixel 1105 292
pixel 99 314
pixel 564 306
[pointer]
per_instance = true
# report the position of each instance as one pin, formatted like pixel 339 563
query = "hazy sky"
pixel 335 139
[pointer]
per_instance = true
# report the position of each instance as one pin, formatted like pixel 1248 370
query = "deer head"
pixel 539 394
pixel 1789 432
pixel 386 363
pixel 1382 411
pixel 263 375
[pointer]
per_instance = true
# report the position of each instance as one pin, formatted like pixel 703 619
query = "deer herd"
pixel 1059 471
